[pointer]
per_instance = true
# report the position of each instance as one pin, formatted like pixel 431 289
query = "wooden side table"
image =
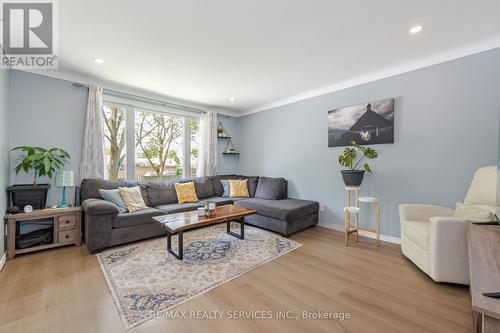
pixel 67 228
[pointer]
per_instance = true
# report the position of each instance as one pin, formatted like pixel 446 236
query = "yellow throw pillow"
pixel 186 192
pixel 133 198
pixel 238 188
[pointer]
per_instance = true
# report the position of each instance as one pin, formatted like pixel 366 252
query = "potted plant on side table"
pixel 352 158
pixel 40 162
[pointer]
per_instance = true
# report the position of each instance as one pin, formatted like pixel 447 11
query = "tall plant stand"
pixel 351 191
pixel 353 209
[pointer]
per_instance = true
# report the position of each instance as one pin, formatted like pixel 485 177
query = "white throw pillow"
pixel 472 213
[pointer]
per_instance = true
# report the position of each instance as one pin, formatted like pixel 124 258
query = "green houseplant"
pixel 39 162
pixel 352 158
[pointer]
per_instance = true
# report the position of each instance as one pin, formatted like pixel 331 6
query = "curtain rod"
pixel 137 98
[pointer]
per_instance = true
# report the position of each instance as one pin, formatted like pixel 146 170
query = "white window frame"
pixel 131 108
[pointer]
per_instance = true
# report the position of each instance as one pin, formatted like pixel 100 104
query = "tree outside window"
pixel 115 143
pixel 159 146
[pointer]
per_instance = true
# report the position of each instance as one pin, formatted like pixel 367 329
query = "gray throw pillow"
pixel 225 186
pixel 271 188
pixel 114 196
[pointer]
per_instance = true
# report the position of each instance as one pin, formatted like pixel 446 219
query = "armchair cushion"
pixel 473 213
pixel 483 188
pixel 417 232
pixel 415 212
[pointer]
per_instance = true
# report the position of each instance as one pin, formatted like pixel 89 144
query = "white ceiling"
pixel 263 53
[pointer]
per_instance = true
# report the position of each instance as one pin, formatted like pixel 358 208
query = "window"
pixel 195 144
pixel 115 141
pixel 158 146
pixel 141 144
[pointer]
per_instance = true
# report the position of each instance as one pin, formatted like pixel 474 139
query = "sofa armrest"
pixel 448 253
pixel 99 207
pixel 414 212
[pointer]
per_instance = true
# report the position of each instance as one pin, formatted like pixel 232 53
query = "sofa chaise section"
pixel 285 216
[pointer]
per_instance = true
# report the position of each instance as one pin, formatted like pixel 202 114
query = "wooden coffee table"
pixel 177 223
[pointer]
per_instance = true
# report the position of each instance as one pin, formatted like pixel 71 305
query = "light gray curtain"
pixel 92 159
pixel 207 156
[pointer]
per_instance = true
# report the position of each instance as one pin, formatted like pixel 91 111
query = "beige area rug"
pixel 144 278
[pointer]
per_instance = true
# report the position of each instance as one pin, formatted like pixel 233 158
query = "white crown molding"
pixel 72 76
pixel 362 233
pixel 382 74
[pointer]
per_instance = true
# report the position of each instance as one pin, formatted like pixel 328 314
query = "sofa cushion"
pixel 221 200
pixel 179 208
pixel 238 188
pixel 90 188
pixel 139 217
pixel 217 185
pixel 186 192
pixel 226 188
pixel 252 184
pixel 285 210
pixel 271 188
pixel 417 232
pixel 114 196
pixel 161 193
pixel 203 185
pixel 133 199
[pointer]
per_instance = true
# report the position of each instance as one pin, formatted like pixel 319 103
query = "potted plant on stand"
pixel 40 162
pixel 352 158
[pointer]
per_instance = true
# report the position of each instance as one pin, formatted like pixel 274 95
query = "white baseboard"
pixel 362 233
pixel 3 261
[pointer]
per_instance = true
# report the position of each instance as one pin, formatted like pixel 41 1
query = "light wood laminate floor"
pixel 63 290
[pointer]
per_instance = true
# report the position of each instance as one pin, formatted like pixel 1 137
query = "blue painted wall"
pixel 446 126
pixel 49 113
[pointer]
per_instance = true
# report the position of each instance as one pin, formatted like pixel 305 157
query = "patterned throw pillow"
pixel 186 192
pixel 225 186
pixel 472 213
pixel 238 188
pixel 114 196
pixel 133 198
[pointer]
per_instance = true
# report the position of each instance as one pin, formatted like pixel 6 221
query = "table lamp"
pixel 64 179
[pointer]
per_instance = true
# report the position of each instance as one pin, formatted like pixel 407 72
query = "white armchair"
pixel 435 240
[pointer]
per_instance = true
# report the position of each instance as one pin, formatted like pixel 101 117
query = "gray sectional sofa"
pixel 104 226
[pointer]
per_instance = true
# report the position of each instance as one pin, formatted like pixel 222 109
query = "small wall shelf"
pixel 222 134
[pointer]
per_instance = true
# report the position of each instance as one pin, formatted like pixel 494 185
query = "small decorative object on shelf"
pixel 229 150
pixel 221 132
pixel 353 176
pixel 209 208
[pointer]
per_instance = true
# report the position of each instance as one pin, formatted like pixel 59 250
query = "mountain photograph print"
pixel 367 124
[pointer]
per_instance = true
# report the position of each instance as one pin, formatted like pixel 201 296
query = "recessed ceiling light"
pixel 416 29
pixel 98 60
pixel 231 99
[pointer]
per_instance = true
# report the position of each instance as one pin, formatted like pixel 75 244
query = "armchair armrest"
pixel 414 212
pixel 448 253
pixel 99 207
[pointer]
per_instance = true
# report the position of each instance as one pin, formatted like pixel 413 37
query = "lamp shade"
pixel 65 178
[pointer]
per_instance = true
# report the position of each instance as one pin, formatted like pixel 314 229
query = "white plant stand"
pixel 354 210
